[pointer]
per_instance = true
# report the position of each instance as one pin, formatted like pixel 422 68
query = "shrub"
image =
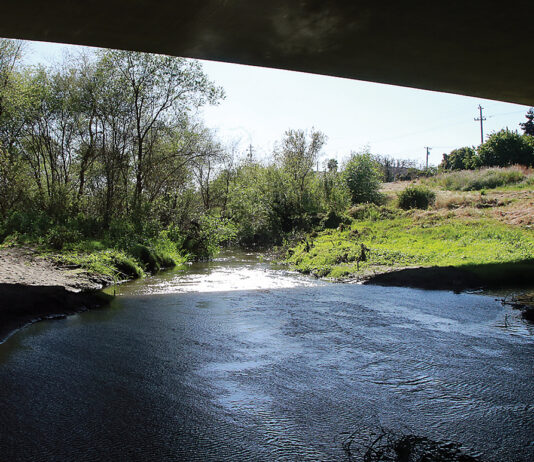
pixel 111 263
pixel 58 236
pixel 126 265
pixel 332 220
pixel 459 159
pixel 206 236
pixel 362 176
pixel 505 148
pixel 416 197
pixel 154 257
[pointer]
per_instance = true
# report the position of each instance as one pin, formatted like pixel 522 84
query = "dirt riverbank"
pixel 518 278
pixel 33 288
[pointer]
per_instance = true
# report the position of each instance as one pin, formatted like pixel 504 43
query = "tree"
pixel 528 126
pixel 296 156
pixel 10 55
pixel 332 165
pixel 250 204
pixel 334 190
pixel 14 183
pixel 158 89
pixel 505 148
pixel 362 176
pixel 459 159
pixel 205 166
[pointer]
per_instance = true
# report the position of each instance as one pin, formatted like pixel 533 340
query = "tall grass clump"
pixel 372 212
pixel 416 197
pixel 158 253
pixel 113 263
pixel 476 180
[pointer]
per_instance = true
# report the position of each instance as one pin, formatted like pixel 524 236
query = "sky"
pixel 261 104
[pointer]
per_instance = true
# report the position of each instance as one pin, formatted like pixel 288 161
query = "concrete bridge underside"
pixel 467 47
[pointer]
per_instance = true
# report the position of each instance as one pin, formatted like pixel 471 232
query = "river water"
pixel 237 360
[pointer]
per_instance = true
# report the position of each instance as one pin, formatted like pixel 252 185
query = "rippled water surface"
pixel 236 360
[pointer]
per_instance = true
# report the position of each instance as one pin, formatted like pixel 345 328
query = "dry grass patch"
pixel 518 214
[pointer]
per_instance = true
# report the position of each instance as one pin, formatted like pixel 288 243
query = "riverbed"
pixel 236 359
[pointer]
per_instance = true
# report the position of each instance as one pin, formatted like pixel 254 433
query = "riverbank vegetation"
pixel 99 156
pixel 106 165
pixel 477 231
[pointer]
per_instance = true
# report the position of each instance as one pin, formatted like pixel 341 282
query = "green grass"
pixel 476 180
pixel 406 241
pixel 102 257
pixel 114 264
pixel 99 257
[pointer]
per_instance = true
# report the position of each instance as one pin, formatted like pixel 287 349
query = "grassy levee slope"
pixel 466 240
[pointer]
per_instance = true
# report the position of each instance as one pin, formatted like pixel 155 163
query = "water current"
pixel 238 360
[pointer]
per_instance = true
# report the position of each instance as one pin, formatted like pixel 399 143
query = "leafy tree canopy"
pixel 528 126
pixel 459 159
pixel 505 148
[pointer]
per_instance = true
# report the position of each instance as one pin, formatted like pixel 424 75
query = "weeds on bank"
pixel 104 258
pixel 134 262
pixel 409 241
pixel 111 263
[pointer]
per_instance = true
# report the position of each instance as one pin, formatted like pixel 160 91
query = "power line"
pixel 481 119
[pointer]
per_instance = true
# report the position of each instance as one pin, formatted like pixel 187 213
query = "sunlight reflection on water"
pixel 238 360
pixel 222 275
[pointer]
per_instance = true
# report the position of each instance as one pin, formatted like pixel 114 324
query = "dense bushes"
pixel 460 159
pixel 506 148
pixel 416 197
pixel 502 149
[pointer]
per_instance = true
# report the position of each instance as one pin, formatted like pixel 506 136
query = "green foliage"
pixel 480 179
pixel 152 259
pixel 411 174
pixel 14 183
pixel 459 159
pixel 24 222
pixel 207 235
pixel 58 236
pixel 373 212
pixel 362 175
pixel 528 126
pixel 332 165
pixel 333 220
pixel 334 191
pixel 268 202
pixel 405 241
pixel 112 263
pixel 505 148
pixel 250 205
pixel 416 197
pixel 298 154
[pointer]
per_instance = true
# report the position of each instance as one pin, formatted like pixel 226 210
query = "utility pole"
pixel 481 119
pixel 427 154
